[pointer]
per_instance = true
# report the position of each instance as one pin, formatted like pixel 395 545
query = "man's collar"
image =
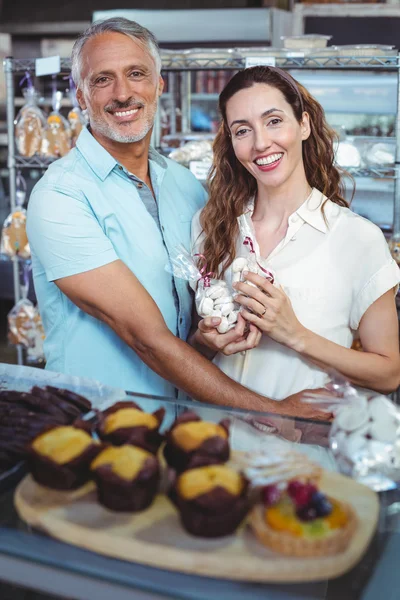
pixel 101 161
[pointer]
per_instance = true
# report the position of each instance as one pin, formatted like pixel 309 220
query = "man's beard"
pixel 115 133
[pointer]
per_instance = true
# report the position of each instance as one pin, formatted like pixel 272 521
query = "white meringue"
pixel 205 307
pixel 239 264
pixel 232 317
pixel 227 308
pixel 350 418
pixel 222 300
pixel 223 326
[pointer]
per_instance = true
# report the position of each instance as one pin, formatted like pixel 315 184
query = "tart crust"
pixel 290 545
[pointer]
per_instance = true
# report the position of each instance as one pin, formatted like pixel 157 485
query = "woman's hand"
pixel 233 341
pixel 272 311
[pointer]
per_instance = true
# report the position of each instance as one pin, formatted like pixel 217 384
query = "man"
pixel 102 223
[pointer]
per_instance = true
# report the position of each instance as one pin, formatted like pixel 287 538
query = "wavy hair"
pixel 231 185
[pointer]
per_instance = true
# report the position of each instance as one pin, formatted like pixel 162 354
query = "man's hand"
pixel 294 406
pixel 235 340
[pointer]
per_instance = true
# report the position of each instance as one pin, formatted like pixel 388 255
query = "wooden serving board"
pixel 155 536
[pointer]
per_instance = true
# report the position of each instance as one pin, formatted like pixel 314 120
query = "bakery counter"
pixel 35 561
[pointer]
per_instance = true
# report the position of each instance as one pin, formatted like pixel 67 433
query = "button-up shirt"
pixel 333 264
pixel 88 211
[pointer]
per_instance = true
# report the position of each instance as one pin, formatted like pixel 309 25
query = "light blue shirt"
pixel 86 212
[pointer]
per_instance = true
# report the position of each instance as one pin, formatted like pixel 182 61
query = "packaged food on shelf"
pixel 209 57
pixel 14 241
pixel 56 141
pixel 30 122
pixel 193 150
pixel 394 247
pixel 308 40
pixel 347 155
pixel 75 117
pixel 366 50
pixel 25 328
pixel 380 154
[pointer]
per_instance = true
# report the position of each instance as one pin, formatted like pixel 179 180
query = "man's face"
pixel 119 87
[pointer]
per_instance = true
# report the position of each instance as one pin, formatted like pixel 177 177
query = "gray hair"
pixel 139 34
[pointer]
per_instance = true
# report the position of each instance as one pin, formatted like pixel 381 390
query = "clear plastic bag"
pixel 249 259
pixel 24 323
pixel 14 241
pixel 30 122
pixel 75 117
pixel 365 433
pixel 213 297
pixel 56 140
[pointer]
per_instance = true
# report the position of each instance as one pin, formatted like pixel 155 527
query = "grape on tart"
pixel 297 519
pixel 127 477
pixel 192 442
pixel 126 423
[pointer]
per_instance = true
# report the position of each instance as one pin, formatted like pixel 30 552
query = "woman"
pixel 274 163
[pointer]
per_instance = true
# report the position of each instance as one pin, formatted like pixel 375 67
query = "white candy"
pixel 351 418
pixel 380 407
pixel 223 326
pixel 236 277
pixel 384 430
pixel 205 307
pixel 223 300
pixel 232 317
pixel 227 308
pixel 216 292
pixel 356 442
pixel 216 313
pixel 239 264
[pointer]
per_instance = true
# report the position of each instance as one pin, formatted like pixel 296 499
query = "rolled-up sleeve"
pixel 64 233
pixel 377 274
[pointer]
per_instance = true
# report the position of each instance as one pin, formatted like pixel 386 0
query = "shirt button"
pixel 181 320
pixel 120 167
pixel 162 227
pixel 140 185
pixel 294 218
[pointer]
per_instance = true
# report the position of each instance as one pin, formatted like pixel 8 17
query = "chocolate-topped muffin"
pixel 192 442
pixel 127 477
pixel 60 457
pixel 212 500
pixel 126 423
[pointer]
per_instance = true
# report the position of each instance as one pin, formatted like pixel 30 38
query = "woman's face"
pixel 266 136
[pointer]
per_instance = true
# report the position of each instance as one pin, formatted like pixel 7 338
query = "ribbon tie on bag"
pixel 205 276
pixel 249 242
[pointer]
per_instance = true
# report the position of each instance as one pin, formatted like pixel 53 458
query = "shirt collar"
pixel 310 211
pixel 101 161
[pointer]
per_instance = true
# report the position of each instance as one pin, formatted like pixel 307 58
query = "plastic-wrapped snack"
pixel 213 296
pixel 25 328
pixel 193 150
pixel 30 122
pixel 14 241
pixel 75 117
pixel 56 141
pixel 365 434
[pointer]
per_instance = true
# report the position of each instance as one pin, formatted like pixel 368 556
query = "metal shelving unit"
pixel 184 65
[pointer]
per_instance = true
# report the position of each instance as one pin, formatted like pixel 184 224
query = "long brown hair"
pixel 231 185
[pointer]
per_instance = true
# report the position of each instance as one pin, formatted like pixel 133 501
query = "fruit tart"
pixel 297 519
pixel 127 423
pixel 127 477
pixel 212 500
pixel 60 457
pixel 192 442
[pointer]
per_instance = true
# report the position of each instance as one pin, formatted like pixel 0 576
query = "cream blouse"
pixel 332 271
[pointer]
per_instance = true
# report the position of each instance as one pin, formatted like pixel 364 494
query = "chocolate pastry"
pixel 60 457
pixel 193 443
pixel 82 403
pixel 212 500
pixel 126 423
pixel 127 477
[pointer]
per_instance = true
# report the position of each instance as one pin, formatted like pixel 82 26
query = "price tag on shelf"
pixel 260 61
pixel 200 168
pixel 50 65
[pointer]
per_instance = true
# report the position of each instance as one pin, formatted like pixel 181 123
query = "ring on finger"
pixel 264 311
